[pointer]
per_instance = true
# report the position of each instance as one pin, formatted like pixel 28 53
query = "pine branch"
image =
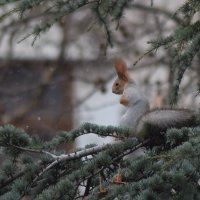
pixel 11 179
pixel 157 10
pixel 124 147
pixel 143 55
pixel 87 188
pixel 33 150
pixel 87 128
pixel 84 153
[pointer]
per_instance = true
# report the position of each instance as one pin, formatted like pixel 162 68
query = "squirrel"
pixel 138 117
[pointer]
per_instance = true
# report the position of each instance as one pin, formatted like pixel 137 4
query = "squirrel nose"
pixel 115 91
pixel 123 100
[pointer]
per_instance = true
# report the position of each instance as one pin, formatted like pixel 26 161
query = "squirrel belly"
pixel 137 105
pixel 131 117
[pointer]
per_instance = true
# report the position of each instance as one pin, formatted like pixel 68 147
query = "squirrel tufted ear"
pixel 121 69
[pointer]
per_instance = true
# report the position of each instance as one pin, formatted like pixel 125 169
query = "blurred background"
pixel 65 78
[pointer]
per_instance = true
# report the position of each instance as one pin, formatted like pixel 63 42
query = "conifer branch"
pixel 143 55
pixel 83 153
pixel 168 14
pixel 34 151
pixel 11 179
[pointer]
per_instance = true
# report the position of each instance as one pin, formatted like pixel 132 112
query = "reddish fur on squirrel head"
pixel 123 77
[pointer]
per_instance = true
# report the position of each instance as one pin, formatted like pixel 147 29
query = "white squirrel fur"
pixel 137 106
pixel 138 113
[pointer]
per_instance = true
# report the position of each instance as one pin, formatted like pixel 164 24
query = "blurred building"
pixel 34 95
pixel 38 95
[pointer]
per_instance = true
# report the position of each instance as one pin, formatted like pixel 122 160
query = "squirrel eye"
pixel 117 84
